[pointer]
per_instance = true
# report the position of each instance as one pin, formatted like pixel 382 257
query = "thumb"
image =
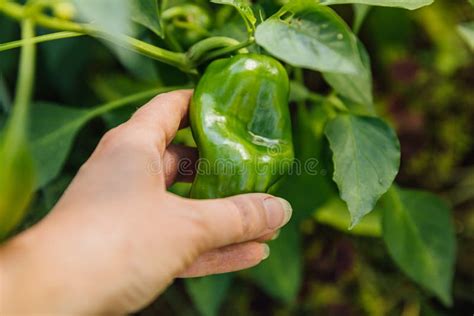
pixel 240 218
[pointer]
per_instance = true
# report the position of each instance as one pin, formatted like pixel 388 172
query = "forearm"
pixel 41 272
pixel 23 289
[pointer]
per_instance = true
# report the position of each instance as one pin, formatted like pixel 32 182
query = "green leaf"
pixel 244 8
pixel 308 35
pixel 466 30
pixel 208 293
pixel 281 274
pixel 54 128
pixel 407 4
pixel 111 16
pixel 147 13
pixel 356 87
pixel 366 155
pixel 335 214
pixel 419 233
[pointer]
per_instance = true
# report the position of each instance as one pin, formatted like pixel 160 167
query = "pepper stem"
pixel 213 47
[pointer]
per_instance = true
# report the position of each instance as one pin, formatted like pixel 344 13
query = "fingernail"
pixel 266 251
pixel 277 234
pixel 278 212
pixel 288 210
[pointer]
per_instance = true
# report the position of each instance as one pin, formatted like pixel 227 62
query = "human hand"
pixel 117 238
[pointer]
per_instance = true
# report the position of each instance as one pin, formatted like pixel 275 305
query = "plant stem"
pixel 24 90
pixel 227 50
pixel 179 60
pixel 335 102
pixel 15 155
pixel 207 49
pixel 330 100
pixel 39 39
pixel 198 50
pixel 19 12
pixel 317 98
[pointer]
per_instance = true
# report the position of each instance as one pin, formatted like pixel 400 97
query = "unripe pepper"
pixel 241 123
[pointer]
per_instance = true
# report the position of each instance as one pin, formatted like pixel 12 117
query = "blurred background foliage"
pixel 424 84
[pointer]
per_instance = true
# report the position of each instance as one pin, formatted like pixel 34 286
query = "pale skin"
pixel 117 239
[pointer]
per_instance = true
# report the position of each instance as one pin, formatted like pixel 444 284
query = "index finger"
pixel 164 115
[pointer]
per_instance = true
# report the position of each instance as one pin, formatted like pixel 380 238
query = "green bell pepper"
pixel 241 123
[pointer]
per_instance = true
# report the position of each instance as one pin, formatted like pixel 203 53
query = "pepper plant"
pixel 348 155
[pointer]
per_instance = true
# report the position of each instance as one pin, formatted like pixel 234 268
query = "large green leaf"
pixel 357 87
pixel 208 293
pixel 366 155
pixel 147 13
pixel 280 275
pixel 54 128
pixel 308 35
pixel 466 30
pixel 407 4
pixel 419 233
